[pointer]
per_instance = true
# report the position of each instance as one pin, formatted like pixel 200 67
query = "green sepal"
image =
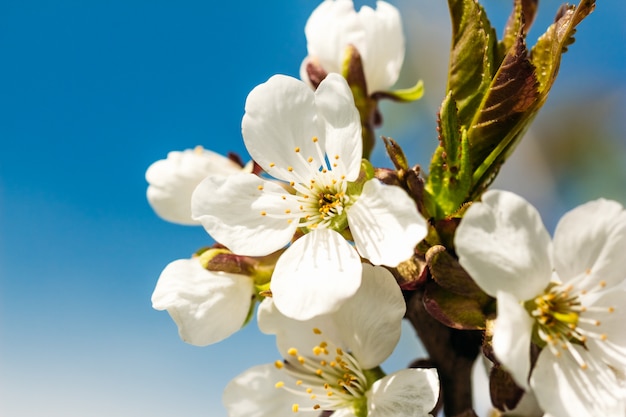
pixel 371 375
pixel 405 95
pixel 352 71
pixel 366 173
pixel 396 154
pixel 250 312
pixel 450 176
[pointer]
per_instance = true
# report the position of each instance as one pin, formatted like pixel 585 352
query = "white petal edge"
pixel 281 115
pixel 297 334
pixel 511 337
pixel 612 349
pixel 384 50
pixel 206 306
pixel 502 243
pixel 344 145
pixel 407 393
pixel 171 181
pixel 231 211
pixel 315 275
pixel 385 224
pixel 562 388
pixel 330 28
pixel 371 320
pixel 253 394
pixel 591 240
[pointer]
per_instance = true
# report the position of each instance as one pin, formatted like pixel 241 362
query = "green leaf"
pixel 472 56
pixel 517 92
pixel 521 18
pixel 546 54
pixel 505 113
pixel 449 181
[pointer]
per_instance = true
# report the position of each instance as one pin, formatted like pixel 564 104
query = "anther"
pixel 297 149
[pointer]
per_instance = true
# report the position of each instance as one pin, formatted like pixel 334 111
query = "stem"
pixel 451 351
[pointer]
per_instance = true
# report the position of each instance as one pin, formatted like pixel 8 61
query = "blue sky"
pixel 93 92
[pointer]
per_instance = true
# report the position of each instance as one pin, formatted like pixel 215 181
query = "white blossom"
pixel 171 181
pixel 375 33
pixel 312 142
pixel 207 306
pixel 562 294
pixel 331 362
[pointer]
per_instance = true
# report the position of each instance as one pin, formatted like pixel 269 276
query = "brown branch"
pixel 451 351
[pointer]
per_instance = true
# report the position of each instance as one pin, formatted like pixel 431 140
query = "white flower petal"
pixel 376 34
pixel 407 393
pixel 592 239
pixel 511 337
pixel 230 209
pixel 385 224
pixel 371 320
pixel 562 388
pixel 383 54
pixel 332 26
pixel 503 245
pixel 281 116
pixel 206 306
pixel 315 275
pixel 344 144
pixel 344 412
pixel 253 394
pixel 297 334
pixel 611 348
pixel 172 181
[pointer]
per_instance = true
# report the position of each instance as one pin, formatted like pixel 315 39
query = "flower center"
pixel 321 191
pixel 562 320
pixel 324 201
pixel 327 379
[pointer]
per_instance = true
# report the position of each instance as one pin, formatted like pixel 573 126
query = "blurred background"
pixel 91 93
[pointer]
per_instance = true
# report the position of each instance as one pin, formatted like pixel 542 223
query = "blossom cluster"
pixel 331 253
